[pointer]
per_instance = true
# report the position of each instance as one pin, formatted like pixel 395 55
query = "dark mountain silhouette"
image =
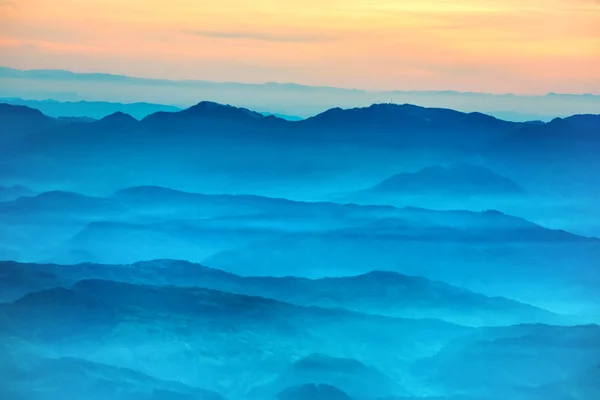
pixel 207 118
pixel 119 119
pixel 210 139
pixel 409 125
pixel 382 293
pixel 458 179
pixel 553 155
pixel 19 122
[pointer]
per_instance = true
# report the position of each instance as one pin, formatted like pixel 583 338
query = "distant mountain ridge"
pixel 276 98
pixel 277 150
pixel 389 125
pixel 456 179
pixel 90 109
pixel 380 293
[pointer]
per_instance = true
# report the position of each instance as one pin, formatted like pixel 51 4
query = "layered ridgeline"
pixel 352 148
pixel 457 179
pixel 478 289
pixel 488 252
pixel 138 341
pixel 218 341
pixel 378 293
pixel 274 97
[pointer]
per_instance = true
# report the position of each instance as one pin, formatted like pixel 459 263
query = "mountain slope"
pixel 209 138
pixel 502 362
pixel 19 122
pixel 90 109
pixel 37 378
pixel 455 180
pixel 203 338
pixel 70 227
pixel 381 293
pixel 313 392
pixel 348 375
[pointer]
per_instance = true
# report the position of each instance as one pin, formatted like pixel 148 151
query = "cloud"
pixel 261 36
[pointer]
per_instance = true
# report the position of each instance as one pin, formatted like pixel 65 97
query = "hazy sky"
pixel 519 46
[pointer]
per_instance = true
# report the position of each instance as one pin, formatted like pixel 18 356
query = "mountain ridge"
pixel 383 293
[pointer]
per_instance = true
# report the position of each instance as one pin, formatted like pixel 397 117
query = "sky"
pixel 492 46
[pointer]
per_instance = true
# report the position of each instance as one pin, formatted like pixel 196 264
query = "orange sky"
pixel 519 46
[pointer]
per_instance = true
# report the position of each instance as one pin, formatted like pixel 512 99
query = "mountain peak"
pixel 457 178
pixel 210 108
pixel 14 110
pixel 119 117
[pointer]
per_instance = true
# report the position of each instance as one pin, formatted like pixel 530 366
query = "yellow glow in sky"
pixel 519 46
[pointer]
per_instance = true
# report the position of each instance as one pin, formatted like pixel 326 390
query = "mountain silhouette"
pixel 19 122
pixel 380 292
pixel 210 139
pixel 457 179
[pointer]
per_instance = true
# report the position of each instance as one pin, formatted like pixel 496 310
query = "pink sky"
pixel 525 46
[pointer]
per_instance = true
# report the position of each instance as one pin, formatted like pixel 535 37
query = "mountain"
pixel 582 386
pixel 283 116
pixel 454 180
pixel 19 122
pixel 37 378
pixel 313 392
pixel 151 340
pixel 347 375
pixel 568 144
pixel 407 125
pixel 210 138
pixel 219 341
pixel 503 362
pixel 165 223
pixel 90 109
pixel 379 293
pixel 493 260
pixel 282 98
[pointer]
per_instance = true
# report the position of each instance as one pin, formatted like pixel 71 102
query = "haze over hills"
pixel 254 235
pixel 378 293
pixel 210 140
pixel 288 99
pixel 204 338
pixel 466 270
pixel 457 179
pixel 138 317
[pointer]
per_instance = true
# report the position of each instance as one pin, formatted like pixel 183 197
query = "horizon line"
pixel 182 81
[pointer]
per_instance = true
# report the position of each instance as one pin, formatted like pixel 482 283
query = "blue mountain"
pixel 458 179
